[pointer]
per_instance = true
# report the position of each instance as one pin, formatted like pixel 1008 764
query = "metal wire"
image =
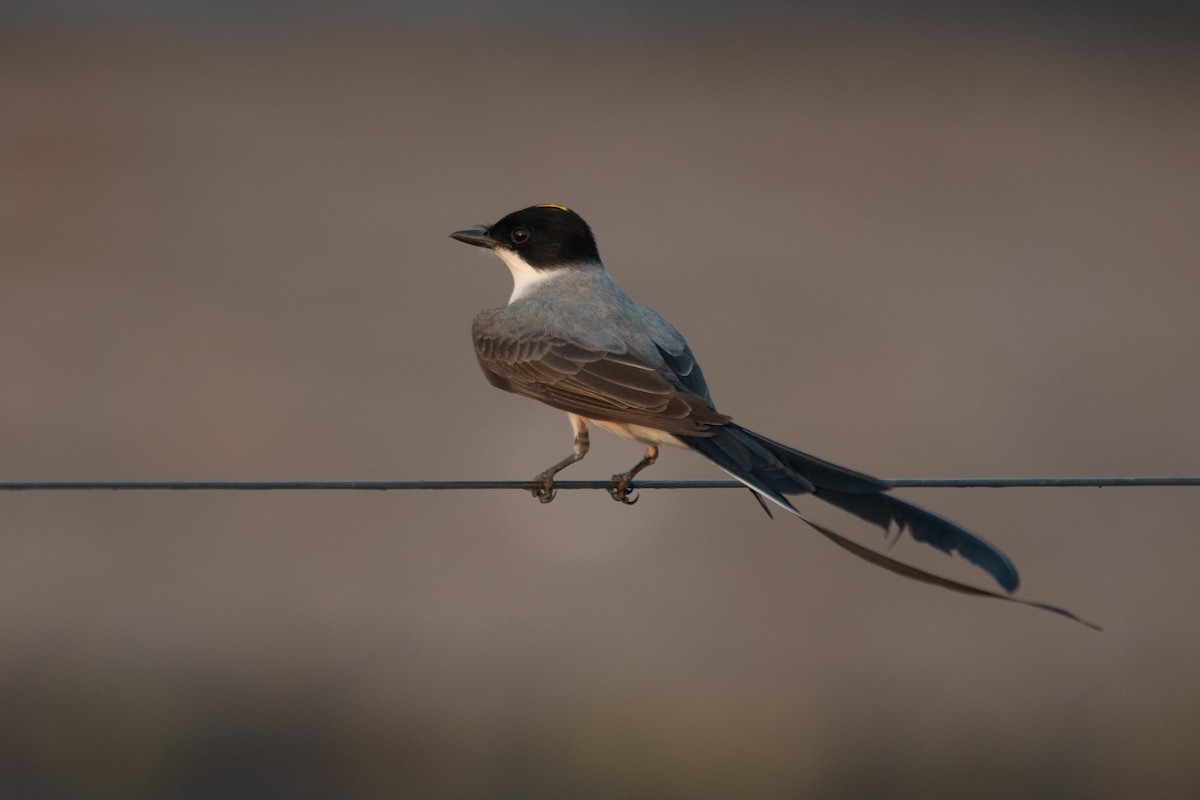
pixel 391 486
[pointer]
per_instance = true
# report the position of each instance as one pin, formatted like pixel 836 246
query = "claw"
pixel 620 489
pixel 546 491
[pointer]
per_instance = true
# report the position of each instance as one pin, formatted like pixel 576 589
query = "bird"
pixel 571 338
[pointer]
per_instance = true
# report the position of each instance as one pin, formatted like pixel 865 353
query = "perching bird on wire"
pixel 572 339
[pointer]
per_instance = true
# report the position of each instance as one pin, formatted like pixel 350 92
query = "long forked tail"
pixel 774 470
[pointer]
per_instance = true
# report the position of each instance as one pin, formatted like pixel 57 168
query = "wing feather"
pixel 598 384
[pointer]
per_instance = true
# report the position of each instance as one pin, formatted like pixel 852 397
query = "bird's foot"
pixel 545 490
pixel 620 488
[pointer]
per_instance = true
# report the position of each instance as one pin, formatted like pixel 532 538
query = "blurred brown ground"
pixel 917 246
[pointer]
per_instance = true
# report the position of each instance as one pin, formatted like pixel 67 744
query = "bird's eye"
pixel 519 235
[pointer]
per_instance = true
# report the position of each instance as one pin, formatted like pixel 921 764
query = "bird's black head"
pixel 543 236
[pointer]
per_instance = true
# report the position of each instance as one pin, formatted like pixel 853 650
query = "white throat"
pixel 525 277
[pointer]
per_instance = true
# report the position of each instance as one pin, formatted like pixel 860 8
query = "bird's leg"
pixel 545 491
pixel 620 487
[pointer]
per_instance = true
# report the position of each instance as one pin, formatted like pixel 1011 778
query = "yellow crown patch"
pixel 554 205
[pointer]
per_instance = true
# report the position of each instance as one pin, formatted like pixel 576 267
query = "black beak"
pixel 476 236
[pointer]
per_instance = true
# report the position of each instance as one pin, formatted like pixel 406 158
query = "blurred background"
pixel 940 241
